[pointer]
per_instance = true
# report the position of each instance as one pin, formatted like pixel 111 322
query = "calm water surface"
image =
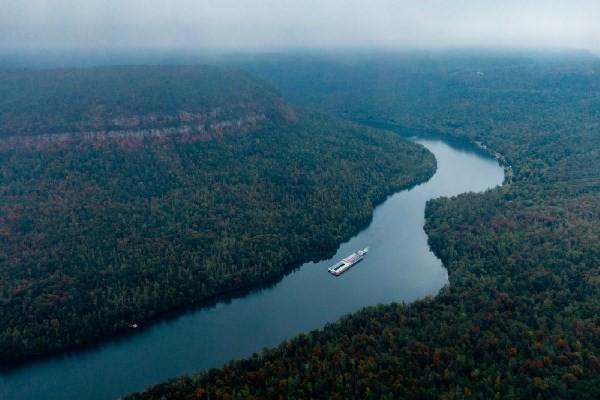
pixel 399 268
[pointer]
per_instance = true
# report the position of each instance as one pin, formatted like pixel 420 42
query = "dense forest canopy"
pixel 521 315
pixel 100 231
pixel 78 100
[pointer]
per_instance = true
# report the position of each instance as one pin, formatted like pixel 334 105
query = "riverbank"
pixel 450 137
pixel 138 232
pixel 400 268
pixel 404 263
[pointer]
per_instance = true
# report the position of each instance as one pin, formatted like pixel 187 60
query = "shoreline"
pixel 13 365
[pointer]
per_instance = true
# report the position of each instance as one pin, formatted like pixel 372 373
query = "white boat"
pixel 343 265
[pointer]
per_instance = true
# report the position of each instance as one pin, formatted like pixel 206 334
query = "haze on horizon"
pixel 266 25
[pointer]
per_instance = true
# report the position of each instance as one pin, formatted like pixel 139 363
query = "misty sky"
pixel 279 24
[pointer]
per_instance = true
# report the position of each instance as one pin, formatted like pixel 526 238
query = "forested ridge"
pixel 520 317
pixel 84 100
pixel 98 232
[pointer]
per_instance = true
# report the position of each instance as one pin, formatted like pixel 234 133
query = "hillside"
pixel 128 98
pixel 129 192
pixel 520 317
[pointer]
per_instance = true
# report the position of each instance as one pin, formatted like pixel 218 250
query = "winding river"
pixel 399 268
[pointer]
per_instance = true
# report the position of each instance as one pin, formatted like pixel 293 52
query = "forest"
pixel 520 317
pixel 139 210
pixel 105 99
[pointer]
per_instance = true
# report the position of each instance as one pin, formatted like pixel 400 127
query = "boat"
pixel 343 265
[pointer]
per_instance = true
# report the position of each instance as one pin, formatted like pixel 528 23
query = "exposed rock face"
pixel 127 104
pixel 185 127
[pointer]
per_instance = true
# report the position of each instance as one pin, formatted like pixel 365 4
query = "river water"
pixel 399 268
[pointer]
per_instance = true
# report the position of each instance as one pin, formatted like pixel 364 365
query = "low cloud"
pixel 297 24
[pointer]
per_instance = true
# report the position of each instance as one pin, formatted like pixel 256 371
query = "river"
pixel 399 268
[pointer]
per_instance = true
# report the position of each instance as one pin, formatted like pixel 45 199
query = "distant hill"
pixel 129 192
pixel 129 98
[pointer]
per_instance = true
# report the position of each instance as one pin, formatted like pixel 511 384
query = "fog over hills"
pixel 231 25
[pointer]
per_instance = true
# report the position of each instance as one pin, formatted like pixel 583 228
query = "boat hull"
pixel 347 263
pixel 344 268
